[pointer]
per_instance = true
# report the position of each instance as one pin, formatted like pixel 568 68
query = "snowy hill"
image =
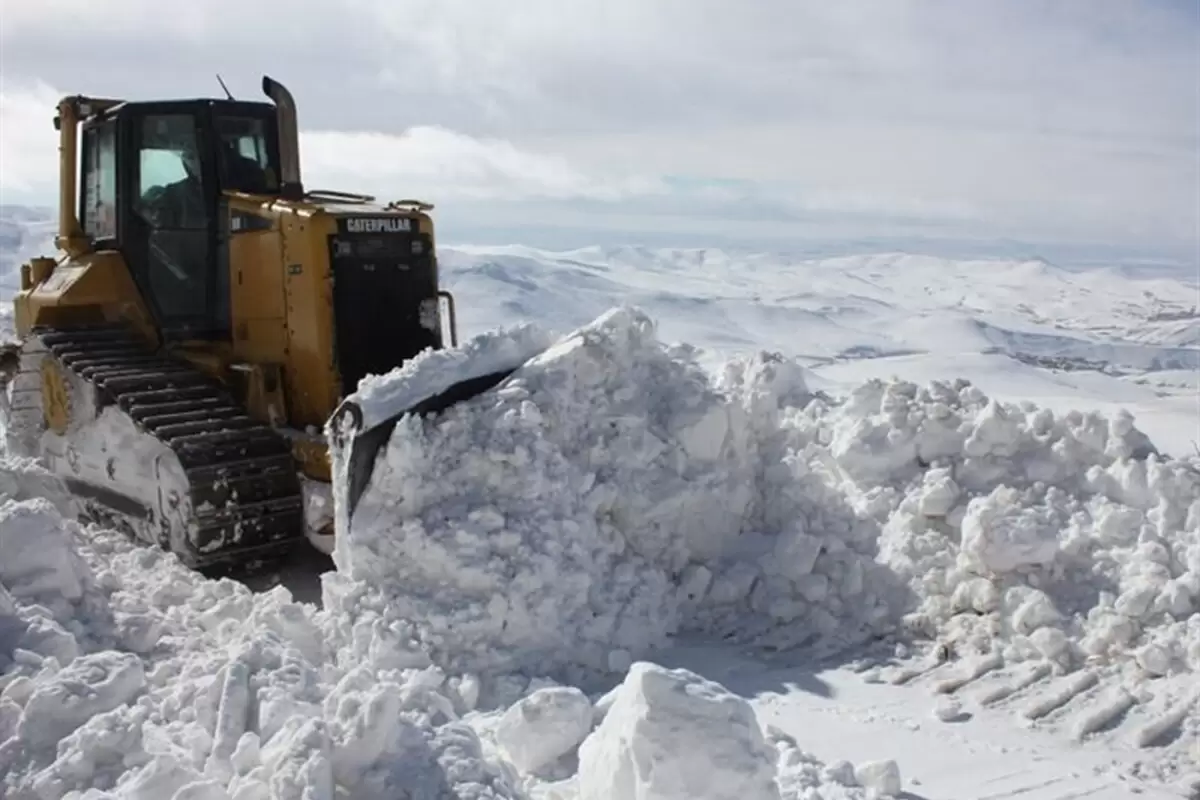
pixel 891 587
pixel 1098 338
pixel 1066 337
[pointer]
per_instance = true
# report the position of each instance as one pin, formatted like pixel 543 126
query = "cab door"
pixel 171 234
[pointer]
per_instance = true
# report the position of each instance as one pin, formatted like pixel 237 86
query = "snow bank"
pixel 611 493
pixel 1056 536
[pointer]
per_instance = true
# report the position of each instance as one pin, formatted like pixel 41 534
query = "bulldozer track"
pixel 246 496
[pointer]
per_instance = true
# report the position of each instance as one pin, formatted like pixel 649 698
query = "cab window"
pixel 245 161
pixel 170 176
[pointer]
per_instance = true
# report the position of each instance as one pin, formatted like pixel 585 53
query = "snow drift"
pixel 610 494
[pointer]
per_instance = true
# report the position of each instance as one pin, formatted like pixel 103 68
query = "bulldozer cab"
pixel 154 180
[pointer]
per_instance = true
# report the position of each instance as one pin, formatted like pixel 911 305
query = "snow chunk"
pixel 544 726
pixel 38 558
pixel 1000 534
pixel 90 685
pixel 673 735
pixel 881 777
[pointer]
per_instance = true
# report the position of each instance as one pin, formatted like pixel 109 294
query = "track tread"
pixel 245 490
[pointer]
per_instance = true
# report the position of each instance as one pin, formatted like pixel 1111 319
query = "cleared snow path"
pixel 981 751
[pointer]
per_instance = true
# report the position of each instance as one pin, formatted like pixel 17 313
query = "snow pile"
pixel 1063 536
pixel 611 493
pixel 604 497
pixel 129 676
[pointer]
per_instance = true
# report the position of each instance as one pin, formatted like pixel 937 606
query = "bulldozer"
pixel 206 317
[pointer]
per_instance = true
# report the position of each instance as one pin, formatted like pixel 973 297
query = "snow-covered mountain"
pixel 1100 338
pixel 892 583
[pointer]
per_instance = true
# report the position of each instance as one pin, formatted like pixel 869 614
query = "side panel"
pixel 311 376
pixel 95 287
pixel 256 279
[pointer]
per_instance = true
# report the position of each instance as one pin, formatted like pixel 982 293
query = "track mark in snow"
pixel 1068 689
pixel 1105 713
pixel 1030 674
pixel 902 676
pixel 1161 727
pixel 1033 787
pixel 970 672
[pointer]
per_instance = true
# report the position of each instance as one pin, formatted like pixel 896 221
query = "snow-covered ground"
pixel 644 570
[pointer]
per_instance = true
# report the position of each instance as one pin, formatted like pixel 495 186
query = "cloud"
pixel 28 142
pixel 1058 118
pixel 427 161
pixel 436 162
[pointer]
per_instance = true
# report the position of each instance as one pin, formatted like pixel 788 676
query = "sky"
pixel 1040 121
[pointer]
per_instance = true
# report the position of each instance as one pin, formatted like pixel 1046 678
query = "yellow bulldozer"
pixel 207 315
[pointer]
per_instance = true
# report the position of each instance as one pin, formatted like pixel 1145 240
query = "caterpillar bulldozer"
pixel 206 317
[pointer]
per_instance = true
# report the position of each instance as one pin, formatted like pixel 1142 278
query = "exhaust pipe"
pixel 291 187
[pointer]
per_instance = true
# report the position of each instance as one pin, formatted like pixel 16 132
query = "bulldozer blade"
pixel 346 427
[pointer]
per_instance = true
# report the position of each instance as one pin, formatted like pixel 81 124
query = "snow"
pixel 611 495
pixel 544 726
pixel 761 566
pixel 673 735
pixel 433 372
pixel 183 687
pixel 608 495
pixel 1069 336
pixel 882 778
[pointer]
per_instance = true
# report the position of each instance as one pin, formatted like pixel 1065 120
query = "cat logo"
pixel 376 224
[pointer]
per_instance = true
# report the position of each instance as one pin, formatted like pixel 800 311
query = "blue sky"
pixel 1046 121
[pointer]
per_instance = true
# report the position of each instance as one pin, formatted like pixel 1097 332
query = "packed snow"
pixel 760 568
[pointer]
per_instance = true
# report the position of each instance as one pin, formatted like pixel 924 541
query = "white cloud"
pixel 28 141
pixel 435 162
